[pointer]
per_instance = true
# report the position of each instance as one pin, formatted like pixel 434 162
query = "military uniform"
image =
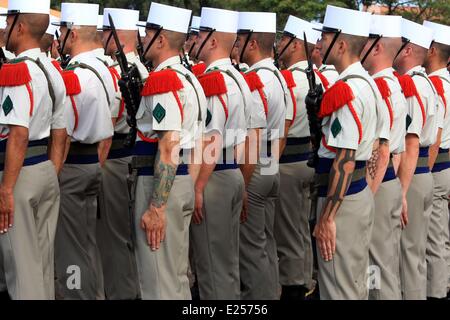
pixel 329 72
pixel 419 196
pixel 437 272
pixel 88 124
pixel 114 226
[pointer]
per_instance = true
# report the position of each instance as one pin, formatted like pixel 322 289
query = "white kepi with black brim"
pixel 382 26
pixel 219 20
pixel 295 27
pixel 195 25
pixel 164 17
pixel 79 14
pixel 346 21
pixel 441 33
pixel 124 19
pixel 416 33
pixel 52 29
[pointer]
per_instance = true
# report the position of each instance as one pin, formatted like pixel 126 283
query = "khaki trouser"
pixel 346 276
pixel 215 242
pixel 76 249
pixel 292 232
pixel 385 242
pixel 413 268
pixel 114 235
pixel 27 248
pixel 437 269
pixel 258 259
pixel 163 273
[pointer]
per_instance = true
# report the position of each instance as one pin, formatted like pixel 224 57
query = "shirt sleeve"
pixel 215 117
pixel 414 118
pixel 343 131
pixel 16 106
pixel 383 120
pixel 62 102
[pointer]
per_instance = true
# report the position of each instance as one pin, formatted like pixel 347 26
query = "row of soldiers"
pixel 128 165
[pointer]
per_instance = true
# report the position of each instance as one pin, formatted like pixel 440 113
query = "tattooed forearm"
pixel 163 179
pixel 340 179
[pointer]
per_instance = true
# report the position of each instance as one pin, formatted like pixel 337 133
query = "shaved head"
pixel 226 40
pixel 265 41
pixel 175 39
pixel 355 43
pixel 36 24
pixel 87 34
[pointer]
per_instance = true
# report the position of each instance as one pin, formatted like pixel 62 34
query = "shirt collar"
pixel 131 57
pixel 218 63
pixel 385 72
pixel 440 72
pixel 355 68
pixel 301 64
pixel 169 62
pixel 32 53
pixel 81 56
pixel 263 63
pixel 415 69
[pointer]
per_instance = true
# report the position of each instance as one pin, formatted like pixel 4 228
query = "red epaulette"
pixel 199 69
pixel 115 76
pixel 14 74
pixel 410 90
pixel 57 65
pixel 253 80
pixel 335 98
pixel 287 75
pixel 383 87
pixel 323 79
pixel 213 83
pixel 163 81
pixel 71 82
pixel 439 86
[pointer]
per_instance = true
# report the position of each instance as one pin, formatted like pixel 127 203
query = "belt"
pixel 296 150
pixel 390 172
pixel 81 153
pixel 323 169
pixel 36 152
pixel 442 161
pixel 144 159
pixel 223 163
pixel 118 150
pixel 422 161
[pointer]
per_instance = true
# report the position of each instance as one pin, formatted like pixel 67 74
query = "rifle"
pixel 130 86
pixel 140 48
pixel 65 59
pixel 185 61
pixel 312 101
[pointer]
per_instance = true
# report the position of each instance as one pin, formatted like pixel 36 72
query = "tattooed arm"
pixel 153 221
pixel 340 179
pixel 379 163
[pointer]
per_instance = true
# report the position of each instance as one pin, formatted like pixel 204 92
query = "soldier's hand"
pixel 197 218
pixel 154 223
pixel 404 215
pixel 325 233
pixel 244 212
pixel 6 209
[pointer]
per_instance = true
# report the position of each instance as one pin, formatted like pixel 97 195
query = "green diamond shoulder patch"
pixel 159 113
pixel 336 127
pixel 7 105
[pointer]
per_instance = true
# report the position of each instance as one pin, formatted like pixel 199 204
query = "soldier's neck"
pixel 344 62
pixel 434 65
pixel 257 57
pixel 81 48
pixel 26 45
pixel 214 56
pixel 380 66
pixel 163 56
pixel 408 65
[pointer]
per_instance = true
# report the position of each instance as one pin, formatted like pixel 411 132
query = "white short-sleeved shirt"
pixel 61 103
pixel 280 106
pixel 233 128
pixel 20 110
pixel 94 115
pixel 300 125
pixel 118 108
pixel 430 102
pixel 329 71
pixel 444 111
pixel 341 130
pixel 255 116
pixel 399 110
pixel 161 112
